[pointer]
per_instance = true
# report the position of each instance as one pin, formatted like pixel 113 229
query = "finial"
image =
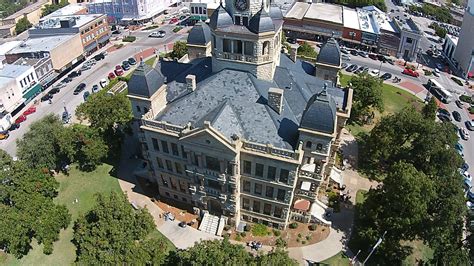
pixel 220 2
pixel 263 4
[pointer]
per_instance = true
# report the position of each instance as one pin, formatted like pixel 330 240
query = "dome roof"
pixel 320 113
pixel 261 22
pixel 145 80
pixel 200 34
pixel 330 53
pixel 220 18
pixel 275 12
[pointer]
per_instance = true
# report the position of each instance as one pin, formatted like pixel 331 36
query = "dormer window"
pixel 237 20
pixel 245 21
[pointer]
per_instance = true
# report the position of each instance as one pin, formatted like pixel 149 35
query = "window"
pixel 245 204
pixel 277 212
pixel 175 196
pixel 212 163
pixel 164 146
pixel 258 189
pixel 230 168
pixel 259 170
pixel 271 174
pixel 247 167
pixel 138 109
pixel 281 195
pixel 178 167
pixel 227 47
pixel 196 160
pixel 237 47
pixel 237 20
pixel 309 144
pixel 145 110
pixel 266 48
pixel 169 166
pixel 409 40
pixel 248 48
pixel 174 149
pixel 267 208
pixel 245 21
pixel 184 199
pixel 256 206
pixel 269 192
pixel 164 182
pixel 284 175
pixel 183 153
pixel 214 41
pixel 246 186
pixel 160 162
pixel 155 144
pixel 319 147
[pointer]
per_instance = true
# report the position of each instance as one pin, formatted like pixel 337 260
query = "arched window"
pixel 266 48
pixel 145 110
pixel 319 146
pixel 309 144
pixel 138 109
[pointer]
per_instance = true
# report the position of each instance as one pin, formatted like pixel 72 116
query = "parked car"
pixel 344 65
pixel 95 88
pixel 457 116
pixel 74 74
pixel 465 166
pixel 459 104
pixel 373 56
pixel 86 95
pixel 156 34
pixel 444 112
pixel 54 90
pixel 118 72
pixel 66 80
pixel 351 68
pixel 389 60
pixel 354 52
pixel 111 76
pixel 436 74
pixel 381 58
pixel 174 20
pixel 14 126
pixel 79 88
pixel 132 61
pixel 363 54
pixel 182 224
pixel 4 135
pixel 291 40
pixel 344 51
pixel 374 72
pixel 345 57
pixel 459 147
pixel 359 70
pixel 410 72
pixel 470 125
pixel 20 119
pixel 125 65
pixel 386 76
pixel 46 97
pixel 30 110
pixel 99 57
pixel 103 83
pixel 464 134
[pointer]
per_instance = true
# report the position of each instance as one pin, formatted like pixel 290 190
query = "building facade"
pixel 449 46
pixel 201 10
pixel 32 12
pixel 246 133
pixel 464 53
pixel 410 36
pixel 26 83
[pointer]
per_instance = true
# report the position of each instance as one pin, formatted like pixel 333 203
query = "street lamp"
pixel 374 247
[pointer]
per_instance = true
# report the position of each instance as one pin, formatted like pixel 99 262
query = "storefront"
pixel 32 92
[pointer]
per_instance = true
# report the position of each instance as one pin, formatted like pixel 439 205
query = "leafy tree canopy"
pixel 179 49
pixel 307 50
pixel 22 25
pixel 28 211
pixel 429 110
pixel 48 9
pixel 367 96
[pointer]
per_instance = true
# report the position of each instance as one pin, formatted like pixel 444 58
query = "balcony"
pixel 212 192
pixel 269 149
pixel 308 194
pixel 311 171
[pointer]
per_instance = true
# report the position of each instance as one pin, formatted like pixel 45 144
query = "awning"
pixel 336 176
pixel 103 39
pixel 305 185
pixel 90 47
pixel 32 92
pixel 48 78
pixel 302 205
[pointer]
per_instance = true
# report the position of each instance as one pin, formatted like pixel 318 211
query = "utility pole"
pixel 374 247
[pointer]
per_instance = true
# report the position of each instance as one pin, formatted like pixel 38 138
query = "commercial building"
pixel 64 50
pixel 6 47
pixel 71 9
pixel 245 134
pixel 129 11
pixel 464 53
pixel 32 12
pixel 410 36
pixel 25 86
pixel 201 10
pixel 94 29
pixel 449 46
pixel 43 68
pixel 351 32
pixel 313 21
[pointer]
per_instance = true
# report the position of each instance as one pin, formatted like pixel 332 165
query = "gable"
pixel 209 139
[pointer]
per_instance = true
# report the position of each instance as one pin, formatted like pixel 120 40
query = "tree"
pixel 429 109
pixel 5 160
pixel 22 25
pixel 105 111
pixel 90 148
pixel 28 210
pixel 48 9
pixel 114 233
pixel 179 49
pixel 367 97
pixel 277 257
pixel 307 50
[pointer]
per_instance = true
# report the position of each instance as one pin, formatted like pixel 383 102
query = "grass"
pixel 259 230
pixel 361 195
pixel 78 185
pixel 340 259
pixel 394 99
pixel 151 27
pixel 150 61
pixel 420 252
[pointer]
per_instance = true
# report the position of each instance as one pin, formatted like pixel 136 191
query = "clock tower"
pixel 246 35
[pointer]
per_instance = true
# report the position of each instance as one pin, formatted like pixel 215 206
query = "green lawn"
pixel 395 99
pixel 81 186
pixel 150 61
pixel 337 260
pixel 361 195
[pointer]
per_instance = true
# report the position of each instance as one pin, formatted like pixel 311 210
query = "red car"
pixel 111 76
pixel 20 119
pixel 30 110
pixel 410 72
pixel 173 20
pixel 118 72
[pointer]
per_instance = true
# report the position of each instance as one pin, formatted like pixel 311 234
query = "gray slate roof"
pixel 320 113
pixel 235 102
pixel 261 22
pixel 330 53
pixel 275 12
pixel 220 18
pixel 200 34
pixel 145 80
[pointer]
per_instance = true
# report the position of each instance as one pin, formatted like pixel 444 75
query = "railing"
pixel 212 192
pixel 308 194
pixel 162 125
pixel 245 58
pixel 268 149
pixel 312 175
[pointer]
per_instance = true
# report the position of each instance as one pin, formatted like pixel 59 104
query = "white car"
pixel 374 72
pixel 345 57
pixel 103 83
pixel 464 134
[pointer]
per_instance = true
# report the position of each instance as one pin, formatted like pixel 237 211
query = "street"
pixel 66 99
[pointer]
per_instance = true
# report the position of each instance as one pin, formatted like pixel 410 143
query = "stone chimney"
pixel 191 83
pixel 275 99
pixel 293 53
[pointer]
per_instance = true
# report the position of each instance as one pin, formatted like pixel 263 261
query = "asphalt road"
pixel 66 99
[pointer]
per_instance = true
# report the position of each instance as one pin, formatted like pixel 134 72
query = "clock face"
pixel 241 5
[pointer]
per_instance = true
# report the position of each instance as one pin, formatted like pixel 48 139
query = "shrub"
pixel 118 46
pixel 259 230
pixel 226 227
pixel 243 234
pixel 129 38
pixel 427 72
pixel 307 50
pixel 281 243
pixel 247 228
pixel 276 232
pixel 457 81
pixel 298 240
pixel 312 227
pixel 308 237
pixel 294 225
pixel 299 235
pixel 303 242
pixel 177 29
pixel 471 110
pixel 466 99
pixel 238 238
pixel 151 27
